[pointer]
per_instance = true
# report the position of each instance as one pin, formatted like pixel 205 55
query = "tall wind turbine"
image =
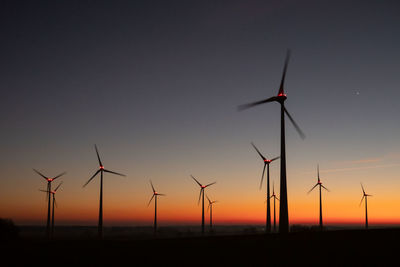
pixel 319 183
pixel 49 180
pixel 201 196
pixel 280 98
pixel 365 195
pixel 53 193
pixel 155 195
pixel 210 205
pixel 275 198
pixel 101 170
pixel 266 164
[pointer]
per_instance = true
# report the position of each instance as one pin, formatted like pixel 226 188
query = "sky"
pixel 156 85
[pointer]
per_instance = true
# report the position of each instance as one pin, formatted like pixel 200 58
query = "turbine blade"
pixel 312 188
pixel 277 198
pixel 40 174
pixel 150 200
pixel 196 180
pixel 59 175
pixel 152 187
pixel 361 200
pixel 209 201
pixel 201 191
pixel 325 188
pixel 98 157
pixel 208 207
pixel 120 174
pixel 274 159
pixel 161 194
pixel 362 187
pixel 55 202
pixel 55 190
pixel 299 131
pixel 273 187
pixel 318 172
pixel 210 184
pixel 91 178
pixel 250 105
pixel 281 91
pixel 262 176
pixel 258 151
pixel 44 190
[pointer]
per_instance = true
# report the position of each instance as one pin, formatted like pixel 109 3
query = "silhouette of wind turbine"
pixel 275 198
pixel 201 196
pixel 366 209
pixel 280 98
pixel 319 183
pixel 101 170
pixel 155 195
pixel 266 164
pixel 210 205
pixel 49 180
pixel 53 193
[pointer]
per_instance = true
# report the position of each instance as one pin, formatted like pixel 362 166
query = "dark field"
pixel 335 248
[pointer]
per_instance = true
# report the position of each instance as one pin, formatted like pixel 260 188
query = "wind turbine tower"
pixel 101 170
pixel 281 98
pixel 201 196
pixel 319 183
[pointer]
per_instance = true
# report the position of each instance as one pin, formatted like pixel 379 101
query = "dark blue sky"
pixel 156 84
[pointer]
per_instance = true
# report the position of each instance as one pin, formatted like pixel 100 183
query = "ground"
pixel 335 248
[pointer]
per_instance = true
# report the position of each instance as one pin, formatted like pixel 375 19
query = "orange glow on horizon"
pixel 240 200
pixel 190 214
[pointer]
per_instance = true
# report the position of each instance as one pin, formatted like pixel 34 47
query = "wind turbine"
pixel 101 170
pixel 275 198
pixel 319 183
pixel 53 193
pixel 266 164
pixel 366 210
pixel 280 98
pixel 49 180
pixel 201 196
pixel 210 205
pixel 155 195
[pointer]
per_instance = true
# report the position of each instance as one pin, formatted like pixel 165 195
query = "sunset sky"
pixel 156 85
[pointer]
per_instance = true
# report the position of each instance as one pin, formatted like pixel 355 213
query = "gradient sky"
pixel 155 84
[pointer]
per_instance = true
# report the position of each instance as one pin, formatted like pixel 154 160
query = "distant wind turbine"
pixel 53 193
pixel 365 195
pixel 275 198
pixel 266 164
pixel 101 170
pixel 49 180
pixel 210 205
pixel 201 196
pixel 155 195
pixel 280 98
pixel 319 183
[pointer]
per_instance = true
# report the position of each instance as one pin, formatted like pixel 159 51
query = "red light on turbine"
pixel 50 180
pixel 102 167
pixel 267 160
pixel 203 186
pixel 281 94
